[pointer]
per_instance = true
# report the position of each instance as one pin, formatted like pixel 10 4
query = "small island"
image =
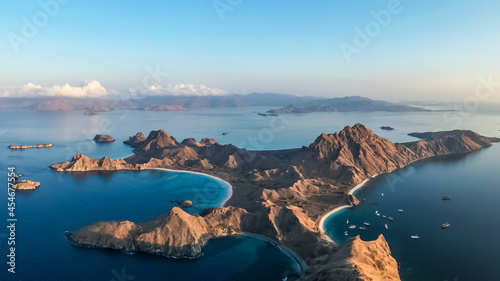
pixel 387 128
pixel 26 185
pixel 103 138
pixel 30 146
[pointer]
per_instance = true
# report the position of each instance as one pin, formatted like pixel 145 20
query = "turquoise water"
pixel 67 202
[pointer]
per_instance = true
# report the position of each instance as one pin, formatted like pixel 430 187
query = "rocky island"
pixel 26 185
pixel 103 138
pixel 281 194
pixel 30 146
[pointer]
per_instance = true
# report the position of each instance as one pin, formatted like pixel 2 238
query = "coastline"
pixel 228 185
pixel 325 216
pixel 287 251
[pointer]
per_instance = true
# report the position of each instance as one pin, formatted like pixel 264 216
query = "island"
pixel 344 104
pixel 280 194
pixel 26 185
pixel 387 128
pixel 30 146
pixel 103 138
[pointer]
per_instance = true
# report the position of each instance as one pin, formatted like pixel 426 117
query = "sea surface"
pixel 65 202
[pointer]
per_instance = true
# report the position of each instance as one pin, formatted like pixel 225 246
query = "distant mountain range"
pixel 288 103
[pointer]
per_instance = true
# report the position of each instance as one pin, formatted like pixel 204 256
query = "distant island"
pixel 30 146
pixel 296 104
pixel 354 103
pixel 281 194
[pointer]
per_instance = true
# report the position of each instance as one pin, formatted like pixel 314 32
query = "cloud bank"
pixel 94 89
pixel 179 90
pixel 90 89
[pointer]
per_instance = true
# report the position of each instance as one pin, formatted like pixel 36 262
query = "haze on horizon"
pixel 393 50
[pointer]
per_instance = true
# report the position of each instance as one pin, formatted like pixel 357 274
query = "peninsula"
pixel 281 194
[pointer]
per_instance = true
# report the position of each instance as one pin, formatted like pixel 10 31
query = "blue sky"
pixel 429 50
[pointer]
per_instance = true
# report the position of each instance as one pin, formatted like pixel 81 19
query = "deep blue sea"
pixel 469 248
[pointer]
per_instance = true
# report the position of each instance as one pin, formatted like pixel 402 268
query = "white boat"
pixel 352 226
pixel 382 194
pixel 415 236
pixel 400 210
pixel 346 233
pixel 386 227
pixel 347 222
pixel 390 218
pixel 378 215
pixel 445 225
pixel 384 216
pixel 362 228
pixel 366 223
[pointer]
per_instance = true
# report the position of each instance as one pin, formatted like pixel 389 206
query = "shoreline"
pixel 228 185
pixel 284 249
pixel 325 216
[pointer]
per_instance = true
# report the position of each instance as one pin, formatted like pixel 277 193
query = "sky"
pixel 393 50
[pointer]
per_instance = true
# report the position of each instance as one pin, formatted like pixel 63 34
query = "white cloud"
pixel 90 89
pixel 179 90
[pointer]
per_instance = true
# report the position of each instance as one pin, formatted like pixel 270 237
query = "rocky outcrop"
pixel 387 128
pixel 30 146
pixel 357 260
pixel 448 142
pixel 136 140
pixel 186 204
pixel 82 163
pixel 101 138
pixel 26 185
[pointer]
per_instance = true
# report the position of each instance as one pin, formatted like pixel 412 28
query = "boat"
pixel 382 194
pixel 384 216
pixel 362 228
pixel 390 218
pixel 346 233
pixel 347 222
pixel 445 225
pixel 400 210
pixel 378 215
pixel 352 226
pixel 386 227
pixel 415 236
pixel 446 198
pixel 366 223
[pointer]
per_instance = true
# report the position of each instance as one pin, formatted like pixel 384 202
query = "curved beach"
pixel 324 217
pixel 228 185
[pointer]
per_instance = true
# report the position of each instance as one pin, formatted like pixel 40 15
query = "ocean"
pixel 67 202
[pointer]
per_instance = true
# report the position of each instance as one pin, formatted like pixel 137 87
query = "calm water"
pixel 468 250
pixel 67 202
